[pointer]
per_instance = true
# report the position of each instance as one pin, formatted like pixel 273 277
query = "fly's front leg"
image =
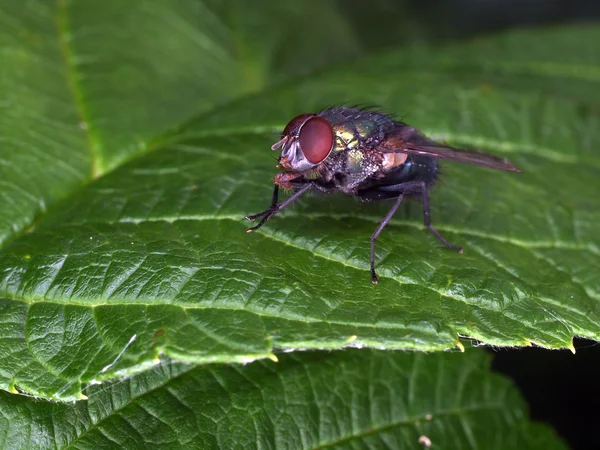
pixel 275 207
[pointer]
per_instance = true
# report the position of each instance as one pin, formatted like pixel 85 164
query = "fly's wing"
pixel 409 140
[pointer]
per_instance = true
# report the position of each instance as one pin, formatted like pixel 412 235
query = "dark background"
pixel 439 19
pixel 561 388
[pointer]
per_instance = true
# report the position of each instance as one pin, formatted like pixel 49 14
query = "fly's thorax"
pixel 345 139
pixel 349 168
pixel 355 159
pixel 352 134
pixel 349 150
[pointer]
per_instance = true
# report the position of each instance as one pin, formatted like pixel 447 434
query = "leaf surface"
pixel 86 85
pixel 146 254
pixel 351 399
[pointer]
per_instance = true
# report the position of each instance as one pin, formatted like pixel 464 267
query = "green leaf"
pixel 86 85
pixel 150 257
pixel 351 399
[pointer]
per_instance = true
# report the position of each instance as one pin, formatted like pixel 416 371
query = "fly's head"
pixel 305 143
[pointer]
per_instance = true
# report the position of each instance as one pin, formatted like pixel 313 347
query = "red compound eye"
pixel 316 139
pixel 294 124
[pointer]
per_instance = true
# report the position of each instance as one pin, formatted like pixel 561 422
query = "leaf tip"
pixel 273 357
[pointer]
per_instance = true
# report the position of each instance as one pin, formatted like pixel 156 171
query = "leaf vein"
pixel 69 59
pixel 412 421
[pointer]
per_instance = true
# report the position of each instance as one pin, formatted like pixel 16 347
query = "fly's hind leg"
pixel 399 190
pixel 427 220
pixel 421 187
pixel 378 231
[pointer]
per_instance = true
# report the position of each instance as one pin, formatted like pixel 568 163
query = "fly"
pixel 366 154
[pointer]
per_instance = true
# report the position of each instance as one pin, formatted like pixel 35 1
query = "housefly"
pixel 367 154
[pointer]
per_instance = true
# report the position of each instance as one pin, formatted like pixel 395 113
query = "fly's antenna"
pixel 279 143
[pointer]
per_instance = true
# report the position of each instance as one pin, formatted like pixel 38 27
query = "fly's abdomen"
pixel 415 168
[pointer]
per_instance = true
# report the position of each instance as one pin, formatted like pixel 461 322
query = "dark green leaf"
pixel 151 258
pixel 353 399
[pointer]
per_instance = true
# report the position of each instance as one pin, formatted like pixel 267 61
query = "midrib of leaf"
pixel 78 98
pixel 223 307
pixel 527 245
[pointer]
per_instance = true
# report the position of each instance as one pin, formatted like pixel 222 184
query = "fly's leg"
pixel 427 220
pixel 401 189
pixel 380 228
pixel 275 207
pixel 421 186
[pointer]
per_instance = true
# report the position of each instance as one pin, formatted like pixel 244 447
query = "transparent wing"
pixel 410 140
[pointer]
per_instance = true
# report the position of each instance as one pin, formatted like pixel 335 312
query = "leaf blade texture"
pixel 128 180
pixel 348 399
